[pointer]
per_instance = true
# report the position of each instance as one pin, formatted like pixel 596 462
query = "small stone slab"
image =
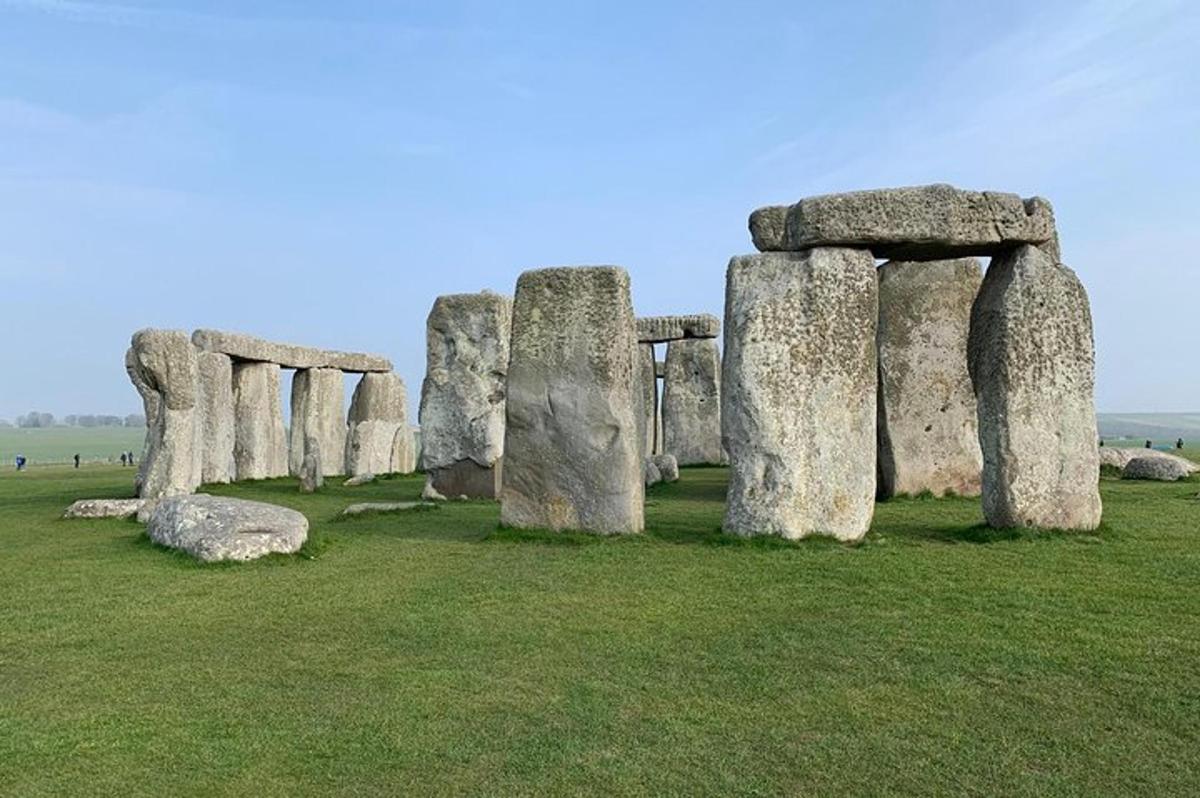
pixel 104 508
pixel 662 329
pixel 215 528
pixel 915 223
pixel 361 479
pixel 248 347
pixel 385 507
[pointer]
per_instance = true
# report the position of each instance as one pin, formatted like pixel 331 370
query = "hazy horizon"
pixel 319 174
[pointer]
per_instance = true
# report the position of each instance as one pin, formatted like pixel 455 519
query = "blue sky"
pixel 320 172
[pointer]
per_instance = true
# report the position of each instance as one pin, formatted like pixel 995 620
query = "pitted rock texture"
pixel 312 477
pixel 661 329
pixel 318 411
pixel 260 443
pixel 216 417
pixel 798 393
pixel 248 347
pixel 467 478
pixel 215 528
pixel 1155 468
pixel 572 454
pixel 691 411
pixel 928 432
pixel 378 440
pixel 162 364
pixel 463 396
pixel 914 223
pixel 1033 367
pixel 104 508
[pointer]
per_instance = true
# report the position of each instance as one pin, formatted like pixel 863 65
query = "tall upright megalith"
pixel 573 455
pixel 378 440
pixel 928 433
pixel 648 405
pixel 318 411
pixel 162 366
pixel 463 396
pixel 216 416
pixel 1032 362
pixel 799 385
pixel 260 449
pixel 691 411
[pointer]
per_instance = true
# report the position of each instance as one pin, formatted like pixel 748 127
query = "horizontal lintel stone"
pixel 662 329
pixel 248 347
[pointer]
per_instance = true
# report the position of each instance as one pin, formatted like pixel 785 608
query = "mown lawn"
pixel 427 653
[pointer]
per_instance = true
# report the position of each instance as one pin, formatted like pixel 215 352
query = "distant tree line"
pixel 34 420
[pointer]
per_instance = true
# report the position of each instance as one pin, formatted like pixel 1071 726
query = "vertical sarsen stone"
pixel 573 458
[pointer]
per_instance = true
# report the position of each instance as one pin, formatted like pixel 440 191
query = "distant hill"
pixel 1155 426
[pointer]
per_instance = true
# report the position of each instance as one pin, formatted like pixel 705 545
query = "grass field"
pixel 59 444
pixel 428 653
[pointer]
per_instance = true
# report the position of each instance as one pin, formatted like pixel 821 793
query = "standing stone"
pixel 259 444
pixel 648 415
pixel 799 384
pixel 1032 363
pixel 162 365
pixel 312 476
pixel 216 417
pixel 928 432
pixel 573 458
pixel 318 411
pixel 463 396
pixel 379 440
pixel 691 411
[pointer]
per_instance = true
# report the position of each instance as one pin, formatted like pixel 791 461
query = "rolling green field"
pixel 59 444
pixel 429 653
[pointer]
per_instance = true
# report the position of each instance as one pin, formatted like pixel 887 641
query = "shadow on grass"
pixel 711 537
pixel 982 534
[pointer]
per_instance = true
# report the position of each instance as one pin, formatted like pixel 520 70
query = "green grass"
pixel 430 653
pixel 59 444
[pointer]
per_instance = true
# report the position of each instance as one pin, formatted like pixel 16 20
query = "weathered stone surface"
pixel 928 432
pixel 651 476
pixel 312 475
pixel 660 369
pixel 213 528
pixel 668 467
pixel 914 223
pixel 573 458
pixel 248 347
pixel 385 507
pixel 216 417
pixel 648 401
pixel 691 412
pixel 798 401
pixel 260 442
pixel 318 411
pixel 360 479
pixel 162 363
pixel 463 396
pixel 662 329
pixel 1032 364
pixel 1119 457
pixel 379 440
pixel 104 508
pixel 1155 468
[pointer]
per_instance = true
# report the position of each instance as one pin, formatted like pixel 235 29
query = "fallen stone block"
pixel 104 508
pixel 215 528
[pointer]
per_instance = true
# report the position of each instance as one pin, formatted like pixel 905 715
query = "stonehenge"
pixel 214 411
pixel 841 382
pixel 572 455
pixel 463 395
pixel 928 429
pixel 798 401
